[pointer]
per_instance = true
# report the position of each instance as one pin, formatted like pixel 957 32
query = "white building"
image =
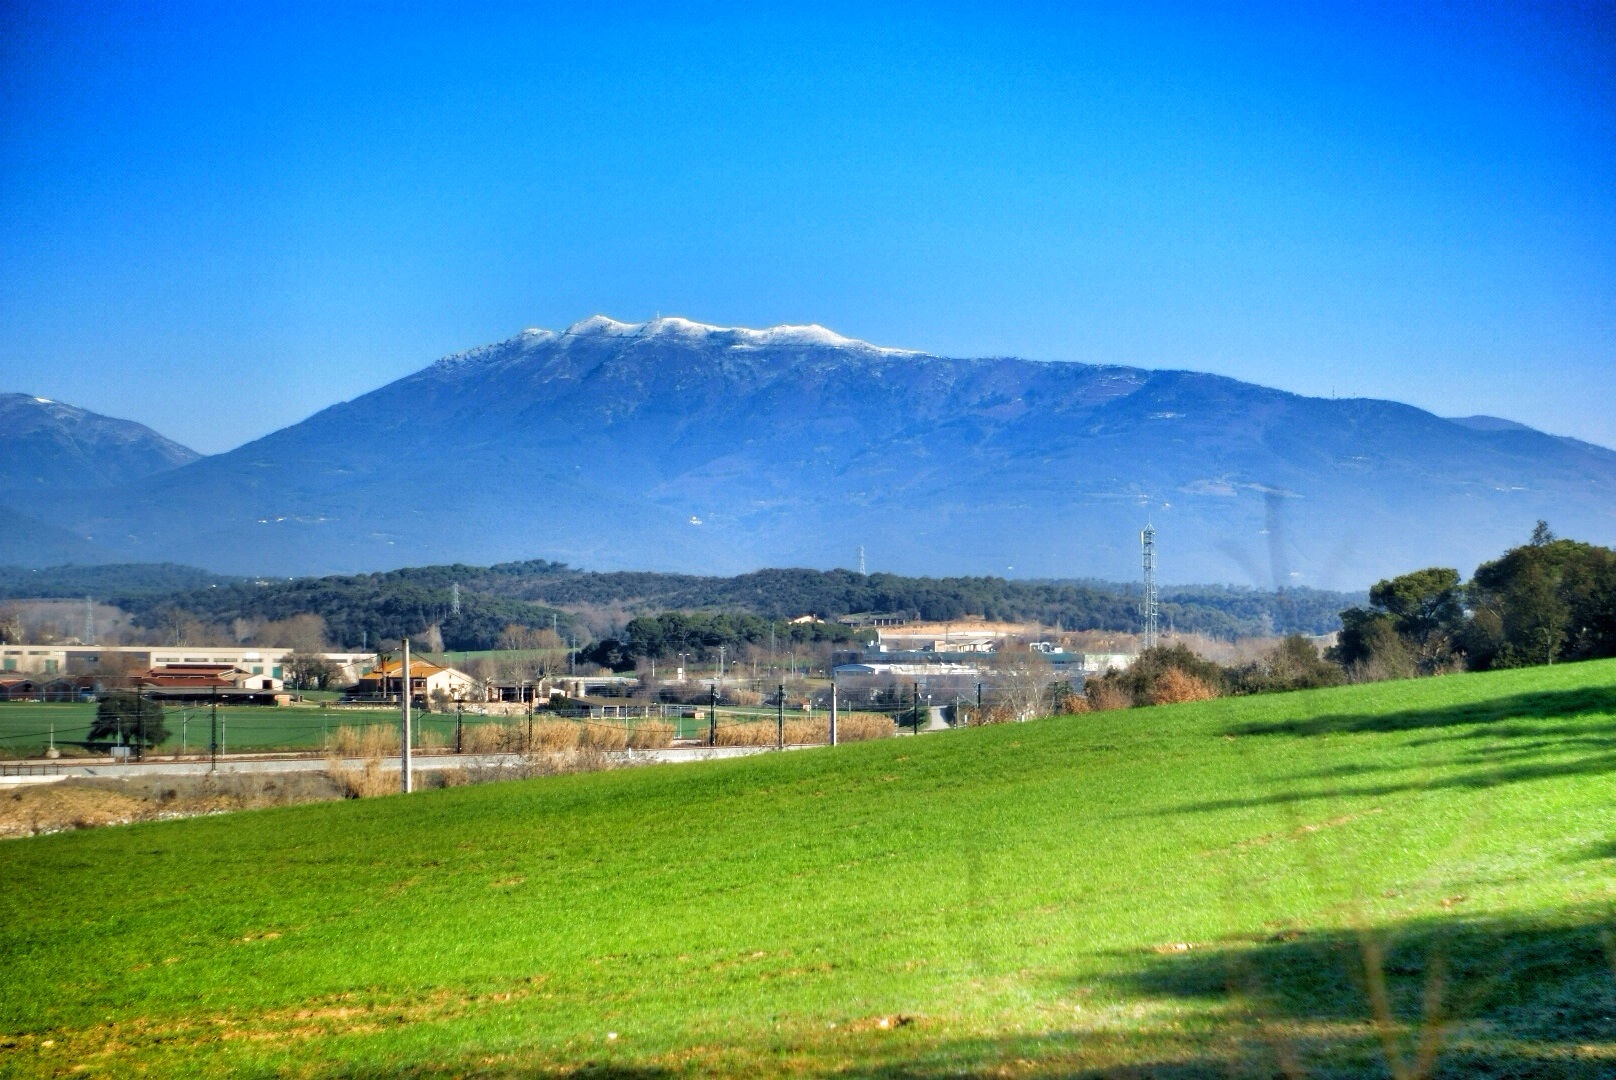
pixel 94 659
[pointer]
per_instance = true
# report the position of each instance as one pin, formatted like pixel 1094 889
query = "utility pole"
pixel 833 708
pixel 454 599
pixel 780 719
pixel 213 733
pixel 917 708
pixel 405 694
pixel 712 719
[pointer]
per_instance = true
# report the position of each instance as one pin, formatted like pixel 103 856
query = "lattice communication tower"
pixel 1147 549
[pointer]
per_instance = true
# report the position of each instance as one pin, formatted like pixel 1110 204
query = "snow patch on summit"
pixel 735 337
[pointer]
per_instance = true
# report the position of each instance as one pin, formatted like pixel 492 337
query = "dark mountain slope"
pixel 48 444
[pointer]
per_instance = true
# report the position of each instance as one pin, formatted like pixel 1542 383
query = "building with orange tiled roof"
pixel 426 679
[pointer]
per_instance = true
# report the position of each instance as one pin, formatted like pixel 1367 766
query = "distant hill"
pixel 27 541
pixel 669 445
pixel 47 445
pixel 542 594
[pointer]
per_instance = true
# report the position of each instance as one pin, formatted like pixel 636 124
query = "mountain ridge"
pixel 679 446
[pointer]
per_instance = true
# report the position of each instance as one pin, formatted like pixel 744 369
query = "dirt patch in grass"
pixel 351 1013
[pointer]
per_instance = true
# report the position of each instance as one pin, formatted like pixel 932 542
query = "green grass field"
pixel 1224 888
pixel 25 727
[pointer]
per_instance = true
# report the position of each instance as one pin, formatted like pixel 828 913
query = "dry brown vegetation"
pixel 806 731
pixel 990 714
pixel 650 735
pixel 375 740
pixel 1105 696
pixel 555 736
pixel 1176 686
pixel 365 781
pixel 859 727
pixel 90 802
pixel 491 738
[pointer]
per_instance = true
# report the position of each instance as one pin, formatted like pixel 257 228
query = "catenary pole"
pixel 780 719
pixel 833 708
pixel 405 694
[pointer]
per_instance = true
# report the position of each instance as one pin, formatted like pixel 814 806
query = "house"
pixel 12 689
pixel 383 682
pixel 207 676
pixel 66 689
pixel 605 708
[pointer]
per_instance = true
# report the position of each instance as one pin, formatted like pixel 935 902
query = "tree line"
pixel 1547 601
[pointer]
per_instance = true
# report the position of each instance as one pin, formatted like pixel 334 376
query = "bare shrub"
pixel 1175 686
pixel 743 697
pixel 1104 695
pixel 1069 702
pixel 991 714
pixel 860 727
pixel 430 740
pixel 650 734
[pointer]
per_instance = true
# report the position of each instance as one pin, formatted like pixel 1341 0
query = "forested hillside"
pixel 540 594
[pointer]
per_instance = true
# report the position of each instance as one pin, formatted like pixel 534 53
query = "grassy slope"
pixel 1023 891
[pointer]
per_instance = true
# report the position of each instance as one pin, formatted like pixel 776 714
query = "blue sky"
pixel 284 206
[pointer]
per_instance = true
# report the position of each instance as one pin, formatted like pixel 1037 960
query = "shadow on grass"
pixel 1520 738
pixel 1492 998
pixel 1544 705
pixel 1479 779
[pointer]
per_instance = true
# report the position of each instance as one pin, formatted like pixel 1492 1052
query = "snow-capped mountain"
pixel 671 444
